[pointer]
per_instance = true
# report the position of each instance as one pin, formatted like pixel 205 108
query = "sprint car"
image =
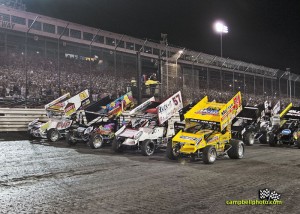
pixel 287 129
pixel 60 112
pixel 152 124
pixel 97 123
pixel 207 132
pixel 247 123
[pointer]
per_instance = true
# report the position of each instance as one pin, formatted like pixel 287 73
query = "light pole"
pixel 295 87
pixel 25 60
pixel 90 64
pixel 279 83
pixel 58 58
pixel 221 28
pixel 177 57
pixel 115 58
pixel 165 42
pixel 289 73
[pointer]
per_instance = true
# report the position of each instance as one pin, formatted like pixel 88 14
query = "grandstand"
pixel 42 56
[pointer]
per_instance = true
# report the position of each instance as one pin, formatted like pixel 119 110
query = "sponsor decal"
pixel 208 111
pixel 170 107
pixel 203 121
pixel 70 109
pixel 213 139
pixel 83 95
pixel 293 113
pixel 286 132
pixel 276 108
pixel 63 124
pixel 195 139
pixel 85 102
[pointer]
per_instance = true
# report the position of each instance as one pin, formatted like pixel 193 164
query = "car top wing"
pixel 293 114
pixel 142 107
pixel 71 105
pixel 249 113
pixel 169 107
pixel 216 113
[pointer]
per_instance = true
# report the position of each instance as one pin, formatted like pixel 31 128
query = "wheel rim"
pixel 150 148
pixel 176 151
pixel 212 156
pixel 241 150
pixel 54 136
pixel 97 141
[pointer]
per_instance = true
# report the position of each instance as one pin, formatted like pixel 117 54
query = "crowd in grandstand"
pixel 43 77
pixel 76 76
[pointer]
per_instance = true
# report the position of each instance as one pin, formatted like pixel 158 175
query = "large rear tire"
pixel 298 143
pixel 116 145
pixel 271 139
pixel 148 148
pixel 237 149
pixel 70 140
pixel 263 139
pixel 249 138
pixel 53 135
pixel 96 141
pixel 209 154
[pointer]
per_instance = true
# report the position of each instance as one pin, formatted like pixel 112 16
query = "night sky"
pixel 263 32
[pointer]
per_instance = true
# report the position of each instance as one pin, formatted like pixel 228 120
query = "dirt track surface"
pixel 42 177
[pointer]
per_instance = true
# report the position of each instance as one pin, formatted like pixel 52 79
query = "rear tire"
pixel 69 140
pixel 249 138
pixel 237 149
pixel 96 141
pixel 271 139
pixel 148 148
pixel 30 136
pixel 298 143
pixel 209 154
pixel 53 135
pixel 172 153
pixel 263 138
pixel 116 145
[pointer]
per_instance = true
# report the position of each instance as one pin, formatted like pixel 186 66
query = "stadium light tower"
pixel 221 28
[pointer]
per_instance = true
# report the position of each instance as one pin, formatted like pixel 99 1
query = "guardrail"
pixel 17 119
pixel 12 119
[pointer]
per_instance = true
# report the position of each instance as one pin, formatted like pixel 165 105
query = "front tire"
pixel 148 148
pixel 116 145
pixel 237 149
pixel 249 138
pixel 172 153
pixel 209 154
pixel 53 135
pixel 96 141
